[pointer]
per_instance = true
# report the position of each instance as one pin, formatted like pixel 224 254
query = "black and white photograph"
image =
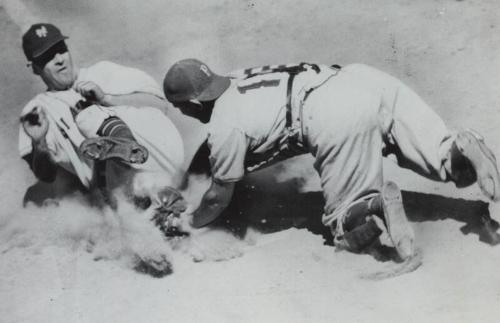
pixel 249 161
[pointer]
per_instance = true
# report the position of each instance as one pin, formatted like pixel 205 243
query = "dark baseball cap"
pixel 39 38
pixel 190 79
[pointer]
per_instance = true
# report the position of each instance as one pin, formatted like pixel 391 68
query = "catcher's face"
pixel 195 109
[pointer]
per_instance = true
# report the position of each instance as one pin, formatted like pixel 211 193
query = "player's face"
pixel 56 68
pixel 194 109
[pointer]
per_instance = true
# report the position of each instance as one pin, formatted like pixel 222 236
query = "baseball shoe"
pixel 397 224
pixel 471 145
pixel 123 149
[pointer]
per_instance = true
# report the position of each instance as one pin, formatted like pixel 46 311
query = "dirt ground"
pixel 448 51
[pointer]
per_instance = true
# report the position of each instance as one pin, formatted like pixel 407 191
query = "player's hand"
pixel 35 124
pixel 91 92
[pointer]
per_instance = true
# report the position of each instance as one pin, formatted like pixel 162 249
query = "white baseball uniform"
pixel 150 126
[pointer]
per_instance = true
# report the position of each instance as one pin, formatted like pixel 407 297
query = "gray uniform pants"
pixel 352 118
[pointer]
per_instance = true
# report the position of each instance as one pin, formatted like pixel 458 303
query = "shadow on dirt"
pixel 269 207
pixel 475 215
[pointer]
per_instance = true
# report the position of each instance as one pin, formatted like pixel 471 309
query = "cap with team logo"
pixel 39 38
pixel 191 79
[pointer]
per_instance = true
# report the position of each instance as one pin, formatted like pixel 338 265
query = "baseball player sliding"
pixel 348 118
pixel 101 124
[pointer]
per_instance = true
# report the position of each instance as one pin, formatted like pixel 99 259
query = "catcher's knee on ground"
pixel 365 220
pixel 356 229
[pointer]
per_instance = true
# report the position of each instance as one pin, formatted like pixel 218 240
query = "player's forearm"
pixel 136 100
pixel 41 162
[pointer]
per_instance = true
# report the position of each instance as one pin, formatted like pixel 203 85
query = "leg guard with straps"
pixel 359 229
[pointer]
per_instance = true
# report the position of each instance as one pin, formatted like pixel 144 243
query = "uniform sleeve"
pixel 117 79
pixel 227 154
pixel 25 147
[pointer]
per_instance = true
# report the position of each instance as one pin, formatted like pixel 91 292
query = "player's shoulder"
pixel 222 120
pixel 106 66
pixel 227 106
pixel 107 69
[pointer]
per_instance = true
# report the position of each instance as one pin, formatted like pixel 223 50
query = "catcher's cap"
pixel 39 38
pixel 190 79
